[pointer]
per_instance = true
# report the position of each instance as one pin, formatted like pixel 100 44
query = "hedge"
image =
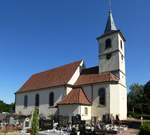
pixel 138 116
pixel 145 129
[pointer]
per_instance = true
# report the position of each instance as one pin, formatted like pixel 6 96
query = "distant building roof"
pixel 76 96
pixel 96 78
pixel 55 77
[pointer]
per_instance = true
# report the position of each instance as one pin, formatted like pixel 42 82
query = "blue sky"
pixel 37 35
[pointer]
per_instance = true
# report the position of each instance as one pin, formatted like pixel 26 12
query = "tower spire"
pixel 110 26
pixel 110 6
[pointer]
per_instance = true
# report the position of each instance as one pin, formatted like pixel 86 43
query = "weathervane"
pixel 110 6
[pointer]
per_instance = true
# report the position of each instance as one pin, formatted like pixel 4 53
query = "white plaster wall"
pixel 118 101
pixel 122 79
pixel 111 64
pixel 73 110
pixel 114 38
pixel 69 110
pixel 74 78
pixel 88 91
pixel 116 61
pixel 83 115
pixel 44 108
pixel 98 110
pixel 122 50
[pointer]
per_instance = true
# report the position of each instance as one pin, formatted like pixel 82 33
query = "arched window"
pixel 37 100
pixel 86 111
pixel 108 43
pixel 121 44
pixel 25 101
pixel 51 99
pixel 102 96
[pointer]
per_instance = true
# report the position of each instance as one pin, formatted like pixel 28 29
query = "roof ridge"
pixel 57 67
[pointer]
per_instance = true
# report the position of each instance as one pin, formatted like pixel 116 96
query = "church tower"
pixel 112 59
pixel 112 51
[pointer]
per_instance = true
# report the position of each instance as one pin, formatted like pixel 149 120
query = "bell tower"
pixel 112 50
pixel 112 59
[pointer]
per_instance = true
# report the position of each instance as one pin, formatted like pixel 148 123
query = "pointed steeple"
pixel 110 26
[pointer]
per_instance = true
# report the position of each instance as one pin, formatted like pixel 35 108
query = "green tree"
pixel 6 107
pixel 35 122
pixel 147 90
pixel 147 97
pixel 135 98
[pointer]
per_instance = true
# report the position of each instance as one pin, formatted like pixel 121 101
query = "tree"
pixel 6 107
pixel 35 122
pixel 139 98
pixel 147 90
pixel 135 98
pixel 147 97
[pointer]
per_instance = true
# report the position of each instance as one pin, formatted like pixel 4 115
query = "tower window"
pixel 86 110
pixel 25 101
pixel 108 43
pixel 108 56
pixel 121 44
pixel 37 100
pixel 122 57
pixel 51 99
pixel 102 96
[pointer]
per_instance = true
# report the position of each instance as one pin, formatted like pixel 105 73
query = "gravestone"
pixel 26 124
pixel 45 124
pixel 63 120
pixel 12 121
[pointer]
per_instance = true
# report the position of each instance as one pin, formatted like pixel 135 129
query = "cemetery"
pixel 60 125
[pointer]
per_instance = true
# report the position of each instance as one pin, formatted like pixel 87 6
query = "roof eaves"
pixel 35 90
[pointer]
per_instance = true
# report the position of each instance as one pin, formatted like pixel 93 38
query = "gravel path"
pixel 130 131
pixel 10 133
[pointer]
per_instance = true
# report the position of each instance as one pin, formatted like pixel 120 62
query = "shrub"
pixel 145 116
pixel 145 129
pixel 134 115
pixel 138 116
pixel 35 122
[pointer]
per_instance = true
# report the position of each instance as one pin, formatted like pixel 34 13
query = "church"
pixel 74 89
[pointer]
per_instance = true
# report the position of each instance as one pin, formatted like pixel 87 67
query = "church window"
pixel 25 101
pixel 37 100
pixel 102 96
pixel 108 56
pixel 51 99
pixel 122 57
pixel 86 110
pixel 108 43
pixel 121 44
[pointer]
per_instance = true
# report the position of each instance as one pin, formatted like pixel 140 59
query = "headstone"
pixel 26 124
pixel 63 120
pixel 12 121
pixel 46 124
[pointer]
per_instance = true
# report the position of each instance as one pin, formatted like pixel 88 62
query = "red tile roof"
pixel 56 77
pixel 96 78
pixel 76 96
